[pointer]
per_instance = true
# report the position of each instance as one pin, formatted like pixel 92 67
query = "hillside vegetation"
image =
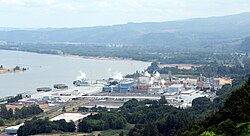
pixel 245 46
pixel 233 119
pixel 191 33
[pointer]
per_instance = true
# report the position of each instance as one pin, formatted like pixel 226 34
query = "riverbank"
pixel 101 58
pixel 6 70
pixel 84 57
pixel 10 70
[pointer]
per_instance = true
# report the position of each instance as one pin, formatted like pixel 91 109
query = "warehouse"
pixel 13 129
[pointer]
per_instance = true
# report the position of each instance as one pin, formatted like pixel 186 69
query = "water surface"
pixel 47 70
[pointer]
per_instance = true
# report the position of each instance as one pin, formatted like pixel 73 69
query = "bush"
pixel 2 122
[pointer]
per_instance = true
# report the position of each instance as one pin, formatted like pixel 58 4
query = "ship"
pixel 82 83
pixel 81 80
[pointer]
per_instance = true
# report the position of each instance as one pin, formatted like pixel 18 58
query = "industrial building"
pixel 60 86
pixel 43 89
pixel 70 117
pixel 82 83
pixel 176 88
pixel 125 86
pixel 13 129
pixel 122 86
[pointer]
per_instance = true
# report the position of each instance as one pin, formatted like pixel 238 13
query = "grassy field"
pixel 180 66
pixel 117 132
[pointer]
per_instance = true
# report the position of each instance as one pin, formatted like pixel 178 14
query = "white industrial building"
pixel 176 88
pixel 13 129
pixel 70 117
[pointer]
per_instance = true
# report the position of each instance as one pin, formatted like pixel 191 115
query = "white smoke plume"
pixel 157 75
pixel 151 82
pixel 82 76
pixel 163 81
pixel 146 74
pixel 118 76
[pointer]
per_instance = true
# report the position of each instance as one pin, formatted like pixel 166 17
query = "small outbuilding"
pixel 13 129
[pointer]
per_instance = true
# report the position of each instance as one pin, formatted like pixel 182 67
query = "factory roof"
pixel 176 85
pixel 70 117
pixel 187 92
pixel 14 127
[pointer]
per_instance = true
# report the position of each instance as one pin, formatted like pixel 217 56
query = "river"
pixel 47 70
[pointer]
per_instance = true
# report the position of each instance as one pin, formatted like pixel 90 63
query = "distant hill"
pixel 245 46
pixel 200 32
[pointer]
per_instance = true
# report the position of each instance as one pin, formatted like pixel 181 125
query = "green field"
pixel 111 132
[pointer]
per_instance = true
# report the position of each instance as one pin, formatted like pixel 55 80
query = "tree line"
pixel 15 99
pixel 236 70
pixel 150 117
pixel 41 126
pixel 24 112
pixel 102 121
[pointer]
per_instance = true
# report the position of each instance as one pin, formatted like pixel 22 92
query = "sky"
pixel 84 13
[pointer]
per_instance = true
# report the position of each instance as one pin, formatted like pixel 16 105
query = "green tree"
pixel 4 113
pixel 45 126
pixel 150 129
pixel 227 128
pixel 63 109
pixel 2 122
pixel 121 133
pixel 137 130
pixel 163 100
pixel 11 113
pixel 15 99
pixel 208 133
pixel 84 126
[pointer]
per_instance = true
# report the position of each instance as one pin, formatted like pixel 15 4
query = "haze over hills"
pixel 245 46
pixel 199 32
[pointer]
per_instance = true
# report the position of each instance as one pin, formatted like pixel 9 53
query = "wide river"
pixel 46 70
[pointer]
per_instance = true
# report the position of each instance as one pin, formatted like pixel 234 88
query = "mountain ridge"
pixel 197 32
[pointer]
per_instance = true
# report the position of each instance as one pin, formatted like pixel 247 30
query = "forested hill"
pixel 245 46
pixel 182 33
pixel 233 119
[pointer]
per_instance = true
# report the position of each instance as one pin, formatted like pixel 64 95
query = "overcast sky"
pixel 81 13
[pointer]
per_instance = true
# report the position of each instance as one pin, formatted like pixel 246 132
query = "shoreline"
pixel 8 70
pixel 84 57
pixel 100 58
pixel 5 70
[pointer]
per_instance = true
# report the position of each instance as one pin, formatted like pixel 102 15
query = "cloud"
pixel 70 13
pixel 67 6
pixel 103 4
pixel 63 4
pixel 11 3
pixel 40 2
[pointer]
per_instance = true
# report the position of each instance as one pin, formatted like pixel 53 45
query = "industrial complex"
pixel 113 92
